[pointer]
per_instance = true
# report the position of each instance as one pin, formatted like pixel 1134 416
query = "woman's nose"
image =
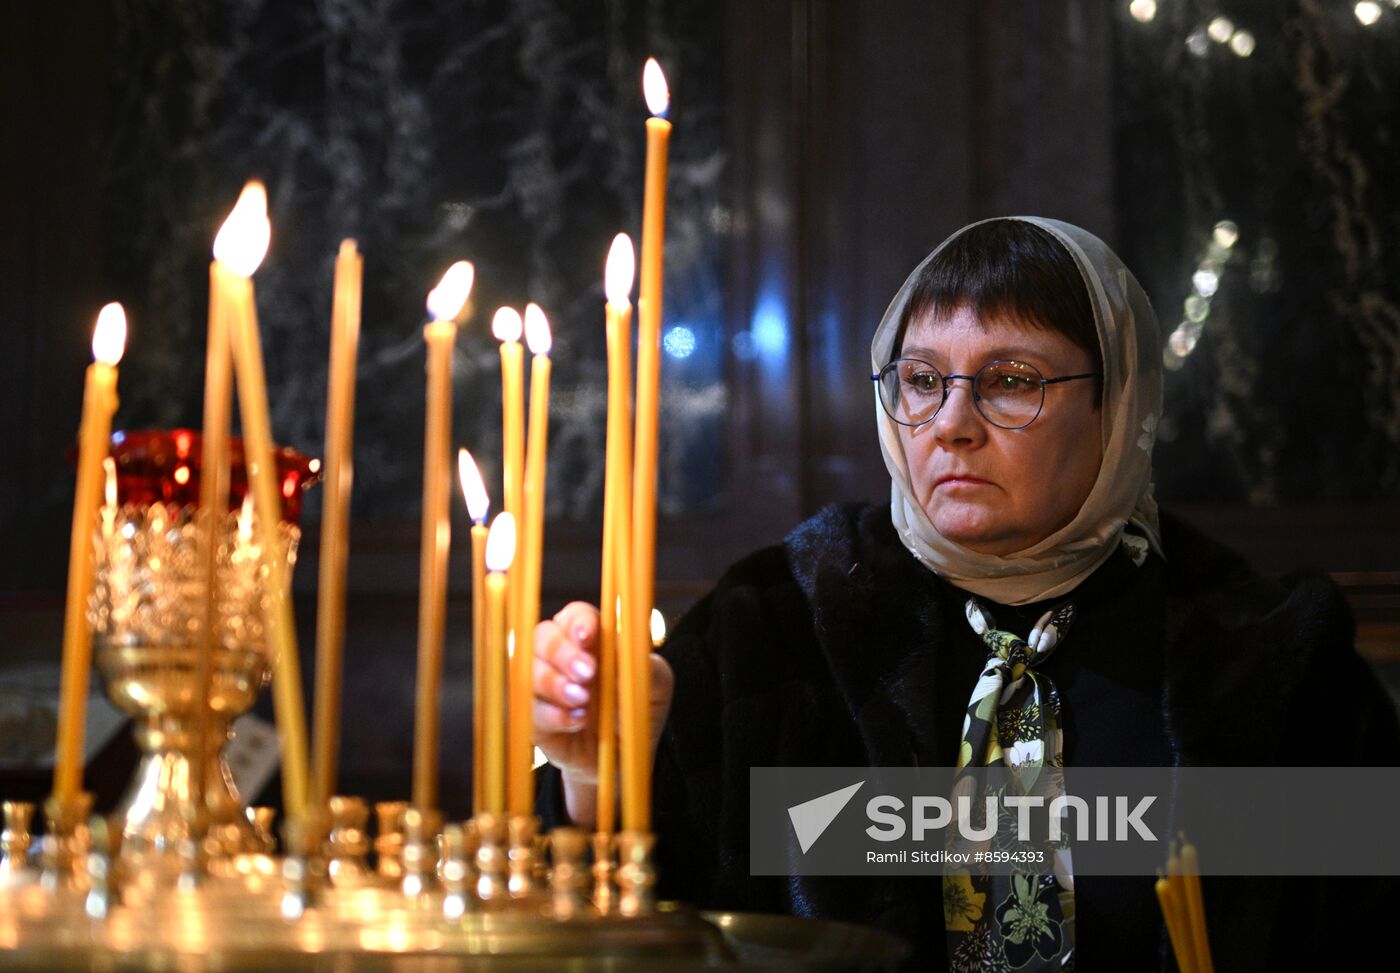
pixel 958 420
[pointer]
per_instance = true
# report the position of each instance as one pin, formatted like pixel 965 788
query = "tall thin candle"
pixel 528 566
pixel 335 518
pixel 617 525
pixel 478 503
pixel 241 245
pixel 444 304
pixel 214 476
pixel 500 552
pixel 94 435
pixel 636 810
pixel 507 326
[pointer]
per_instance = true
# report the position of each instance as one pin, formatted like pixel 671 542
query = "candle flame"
pixel 658 95
pixel 109 337
pixel 109 472
pixel 658 627
pixel 621 269
pixel 537 334
pixel 446 300
pixel 473 487
pixel 243 239
pixel 500 542
pixel 506 325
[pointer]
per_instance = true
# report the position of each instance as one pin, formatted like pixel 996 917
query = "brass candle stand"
pixel 184 877
pixel 293 913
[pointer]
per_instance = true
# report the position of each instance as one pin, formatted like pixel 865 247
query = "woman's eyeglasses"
pixel 1008 394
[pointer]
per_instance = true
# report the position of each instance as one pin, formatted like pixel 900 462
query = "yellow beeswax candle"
pixel 241 245
pixel 637 792
pixel 478 503
pixel 528 567
pixel 338 473
pixel 613 699
pixel 94 438
pixel 445 302
pixel 1195 907
pixel 500 552
pixel 214 476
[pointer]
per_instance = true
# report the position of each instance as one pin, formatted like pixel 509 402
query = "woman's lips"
pixel 959 483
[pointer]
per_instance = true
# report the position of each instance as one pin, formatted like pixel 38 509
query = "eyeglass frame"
pixel 976 397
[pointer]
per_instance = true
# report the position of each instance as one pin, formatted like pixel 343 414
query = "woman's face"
pixel 992 490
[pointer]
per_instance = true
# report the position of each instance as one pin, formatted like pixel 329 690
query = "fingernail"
pixel 577 715
pixel 580 633
pixel 575 693
pixel 582 667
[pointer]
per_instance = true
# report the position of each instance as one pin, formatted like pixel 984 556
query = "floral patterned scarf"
pixel 1023 921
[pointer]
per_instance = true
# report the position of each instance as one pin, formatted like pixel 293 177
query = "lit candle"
pixel 444 304
pixel 335 517
pixel 94 437
pixel 478 503
pixel 528 567
pixel 240 246
pixel 507 327
pixel 500 552
pixel 617 526
pixel 636 810
pixel 658 628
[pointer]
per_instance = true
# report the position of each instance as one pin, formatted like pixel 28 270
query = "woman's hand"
pixel 565 707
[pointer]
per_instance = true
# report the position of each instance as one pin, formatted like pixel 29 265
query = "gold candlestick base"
pixel 636 878
pixel 492 861
pixel 522 855
pixel 66 844
pixel 567 873
pixel 15 841
pixel 604 892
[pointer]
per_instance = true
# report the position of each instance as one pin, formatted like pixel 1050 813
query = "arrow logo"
pixel 811 818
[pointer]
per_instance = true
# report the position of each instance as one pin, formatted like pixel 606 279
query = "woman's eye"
pixel 1010 384
pixel 923 383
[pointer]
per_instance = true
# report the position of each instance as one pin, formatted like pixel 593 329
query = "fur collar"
pixel 1235 641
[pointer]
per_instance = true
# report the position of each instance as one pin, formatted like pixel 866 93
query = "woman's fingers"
pixel 556 719
pixel 568 641
pixel 553 686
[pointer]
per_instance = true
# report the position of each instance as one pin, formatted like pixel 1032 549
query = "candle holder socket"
pixel 455 872
pixel 67 841
pixel 567 874
pixel 636 877
pixel 348 846
pixel 388 842
pixel 15 841
pixel 604 869
pixel 492 857
pixel 420 828
pixel 523 829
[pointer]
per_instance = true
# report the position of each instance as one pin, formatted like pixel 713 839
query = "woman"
pixel 1018 376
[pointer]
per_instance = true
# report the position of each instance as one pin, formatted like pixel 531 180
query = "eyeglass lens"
pixel 1007 393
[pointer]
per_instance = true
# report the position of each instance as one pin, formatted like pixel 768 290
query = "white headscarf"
pixel 1122 494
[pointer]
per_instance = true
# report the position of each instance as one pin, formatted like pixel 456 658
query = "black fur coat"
pixel 830 650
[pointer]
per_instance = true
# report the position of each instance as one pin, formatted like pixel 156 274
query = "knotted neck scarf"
pixel 1024 920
